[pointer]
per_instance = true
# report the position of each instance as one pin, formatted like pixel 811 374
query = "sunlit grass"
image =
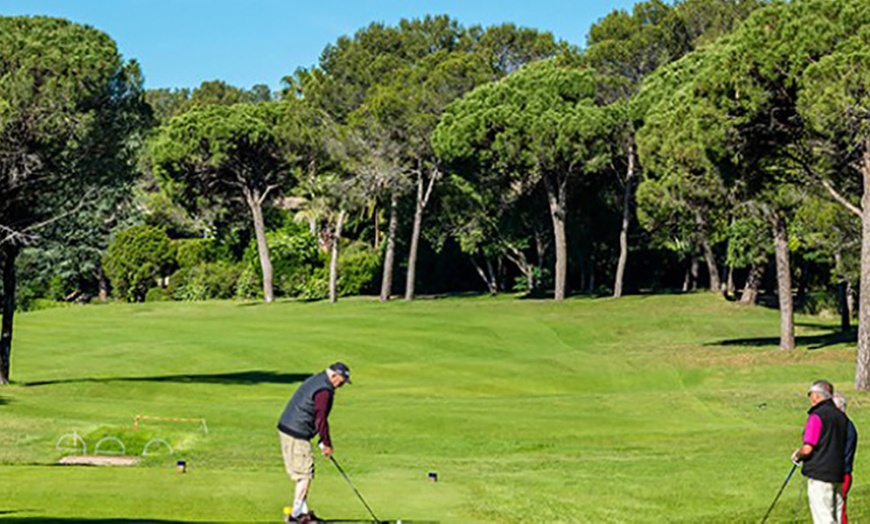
pixel 646 409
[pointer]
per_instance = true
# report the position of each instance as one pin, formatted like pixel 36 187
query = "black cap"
pixel 341 368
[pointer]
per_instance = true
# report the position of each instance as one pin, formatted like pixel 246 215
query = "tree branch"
pixel 27 235
pixel 266 192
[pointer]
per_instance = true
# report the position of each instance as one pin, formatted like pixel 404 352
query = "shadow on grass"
pixel 833 337
pixel 238 378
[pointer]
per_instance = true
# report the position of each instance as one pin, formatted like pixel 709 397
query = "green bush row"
pixel 144 264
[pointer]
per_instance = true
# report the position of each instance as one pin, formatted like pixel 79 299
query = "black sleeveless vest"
pixel 298 417
pixel 827 462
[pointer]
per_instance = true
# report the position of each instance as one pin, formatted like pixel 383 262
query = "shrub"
pixel 137 259
pixel 194 251
pixel 294 255
pixel 206 281
pixel 248 285
pixel 155 294
pixel 359 265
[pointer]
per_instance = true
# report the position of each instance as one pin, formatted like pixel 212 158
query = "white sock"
pixel 298 509
pixel 305 506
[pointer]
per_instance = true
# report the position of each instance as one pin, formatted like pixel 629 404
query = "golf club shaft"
pixel 349 483
pixel 784 484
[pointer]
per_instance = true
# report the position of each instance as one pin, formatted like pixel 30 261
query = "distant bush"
pixel 205 281
pixel 137 259
pixel 294 255
pixel 818 302
pixel 155 294
pixel 248 285
pixel 359 266
pixel 39 304
pixel 194 251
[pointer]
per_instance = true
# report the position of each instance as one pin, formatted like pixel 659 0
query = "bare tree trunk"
pixel 712 268
pixel 626 221
pixel 493 276
pixel 10 253
pixel 522 262
pixel 390 254
pixel 707 251
pixel 753 283
pixel 783 278
pixel 333 258
pixel 687 279
pixel 255 203
pixel 376 213
pixel 556 199
pixel 862 367
pixel 486 275
pixel 694 272
pixel 422 200
pixel 850 299
pixel 842 294
pixel 591 288
pixel 103 284
pixel 730 287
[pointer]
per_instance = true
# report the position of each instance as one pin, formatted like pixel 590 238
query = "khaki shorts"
pixel 298 458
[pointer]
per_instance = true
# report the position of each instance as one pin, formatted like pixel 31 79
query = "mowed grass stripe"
pixel 646 409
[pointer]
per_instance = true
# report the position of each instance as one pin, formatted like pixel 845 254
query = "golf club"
pixel 784 484
pixel 349 483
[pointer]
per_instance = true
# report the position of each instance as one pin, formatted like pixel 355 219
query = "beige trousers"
pixel 826 501
pixel 298 458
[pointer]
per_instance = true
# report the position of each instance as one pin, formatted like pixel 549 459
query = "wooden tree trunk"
pixel 556 199
pixel 707 251
pixel 487 275
pixel 333 258
pixel 712 268
pixel 626 221
pixel 842 295
pixel 753 283
pixel 254 203
pixel 862 366
pixel 423 194
pixel 10 254
pixel 415 242
pixel 519 259
pixel 103 285
pixel 390 254
pixel 783 279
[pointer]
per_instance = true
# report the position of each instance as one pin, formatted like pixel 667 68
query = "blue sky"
pixel 181 43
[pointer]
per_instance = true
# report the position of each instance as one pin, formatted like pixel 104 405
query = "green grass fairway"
pixel 647 409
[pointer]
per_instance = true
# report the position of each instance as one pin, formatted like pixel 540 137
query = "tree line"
pixel 724 134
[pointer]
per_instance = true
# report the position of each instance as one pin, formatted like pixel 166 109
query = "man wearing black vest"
pixel 823 454
pixel 307 415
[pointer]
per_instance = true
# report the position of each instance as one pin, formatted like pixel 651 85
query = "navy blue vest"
pixel 298 417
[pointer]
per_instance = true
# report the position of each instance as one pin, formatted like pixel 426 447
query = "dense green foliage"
pixel 71 122
pixel 496 159
pixel 137 260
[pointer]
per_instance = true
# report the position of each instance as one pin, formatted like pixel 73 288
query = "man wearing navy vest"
pixel 307 415
pixel 823 454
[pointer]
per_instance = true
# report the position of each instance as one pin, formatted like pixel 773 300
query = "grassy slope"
pixel 587 411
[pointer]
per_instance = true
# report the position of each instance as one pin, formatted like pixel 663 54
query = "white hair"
pixel 840 401
pixel 822 388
